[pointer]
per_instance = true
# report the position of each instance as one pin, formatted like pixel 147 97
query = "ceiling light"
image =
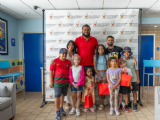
pixel 155 26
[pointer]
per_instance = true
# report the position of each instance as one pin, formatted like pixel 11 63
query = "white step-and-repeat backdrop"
pixel 65 25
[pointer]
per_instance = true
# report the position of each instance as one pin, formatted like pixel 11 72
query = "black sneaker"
pixel 129 104
pixel 120 108
pixel 134 107
pixel 127 109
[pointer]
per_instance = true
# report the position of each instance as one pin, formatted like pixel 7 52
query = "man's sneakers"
pixel 127 109
pixel 58 117
pixel 129 104
pixel 134 107
pixel 120 108
pixel 62 112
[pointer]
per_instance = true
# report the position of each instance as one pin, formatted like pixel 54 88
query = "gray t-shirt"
pixel 129 64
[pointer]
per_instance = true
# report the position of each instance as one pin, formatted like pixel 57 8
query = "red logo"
pixel 64 49
pixel 126 47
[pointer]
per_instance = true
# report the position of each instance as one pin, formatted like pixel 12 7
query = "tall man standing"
pixel 86 45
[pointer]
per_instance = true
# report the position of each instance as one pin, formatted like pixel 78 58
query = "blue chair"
pixel 149 63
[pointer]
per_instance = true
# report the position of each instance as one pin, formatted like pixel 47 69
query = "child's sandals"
pixel 92 109
pixel 68 108
pixel 85 110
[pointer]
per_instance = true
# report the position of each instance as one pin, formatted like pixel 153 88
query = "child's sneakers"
pixel 117 111
pixel 72 111
pixel 100 107
pixel 62 111
pixel 105 101
pixel 58 117
pixel 129 104
pixel 120 108
pixel 127 109
pixel 78 112
pixel 134 107
pixel 111 111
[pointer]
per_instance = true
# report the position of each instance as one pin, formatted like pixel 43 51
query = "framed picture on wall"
pixel 3 37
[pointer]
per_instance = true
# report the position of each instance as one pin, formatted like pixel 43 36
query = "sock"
pixel 77 110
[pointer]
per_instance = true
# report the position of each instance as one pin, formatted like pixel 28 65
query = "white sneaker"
pixel 105 101
pixel 100 107
pixel 117 111
pixel 111 111
pixel 72 111
pixel 78 113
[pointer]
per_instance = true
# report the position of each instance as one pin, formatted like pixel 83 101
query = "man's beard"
pixel 86 35
pixel 111 44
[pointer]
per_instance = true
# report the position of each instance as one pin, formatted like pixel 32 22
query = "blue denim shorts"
pixel 103 74
pixel 73 89
pixel 60 91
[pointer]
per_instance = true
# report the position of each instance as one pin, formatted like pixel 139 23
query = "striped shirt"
pixel 61 72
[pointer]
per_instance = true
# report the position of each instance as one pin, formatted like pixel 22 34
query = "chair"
pixel 149 63
pixel 8 104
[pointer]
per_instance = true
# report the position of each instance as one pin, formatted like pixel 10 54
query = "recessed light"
pixel 155 26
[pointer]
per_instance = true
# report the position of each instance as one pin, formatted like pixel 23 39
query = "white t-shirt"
pixel 70 58
pixel 76 73
pixel 128 71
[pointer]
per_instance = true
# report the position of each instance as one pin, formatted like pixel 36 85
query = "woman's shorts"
pixel 103 74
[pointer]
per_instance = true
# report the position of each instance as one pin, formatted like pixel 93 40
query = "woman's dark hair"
pixel 97 54
pixel 73 43
pixel 113 58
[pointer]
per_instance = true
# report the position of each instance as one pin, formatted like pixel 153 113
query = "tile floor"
pixel 29 109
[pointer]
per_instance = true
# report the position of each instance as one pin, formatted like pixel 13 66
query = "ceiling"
pixel 23 9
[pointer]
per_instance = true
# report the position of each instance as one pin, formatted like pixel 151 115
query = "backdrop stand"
pixel 44 101
pixel 139 61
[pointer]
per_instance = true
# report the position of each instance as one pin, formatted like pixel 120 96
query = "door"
pixel 147 53
pixel 33 56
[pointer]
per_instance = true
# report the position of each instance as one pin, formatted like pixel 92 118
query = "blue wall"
pixel 28 25
pixel 13 51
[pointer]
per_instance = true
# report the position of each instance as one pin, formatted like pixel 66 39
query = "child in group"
pixel 114 78
pixel 89 85
pixel 60 80
pixel 77 80
pixel 71 47
pixel 100 67
pixel 135 76
pixel 124 90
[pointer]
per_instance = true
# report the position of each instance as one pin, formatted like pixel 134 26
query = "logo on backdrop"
pixel 51 48
pixel 50 25
pixel 86 16
pixel 62 41
pixel 78 24
pixel 104 32
pixel 69 16
pixel 123 32
pixel 51 17
pixel 95 24
pixel 131 40
pixel 60 24
pixel 132 24
pixel 51 41
pixel 69 32
pixel 51 57
pixel 123 16
pixel 104 15
pixel 51 33
pixel 113 24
